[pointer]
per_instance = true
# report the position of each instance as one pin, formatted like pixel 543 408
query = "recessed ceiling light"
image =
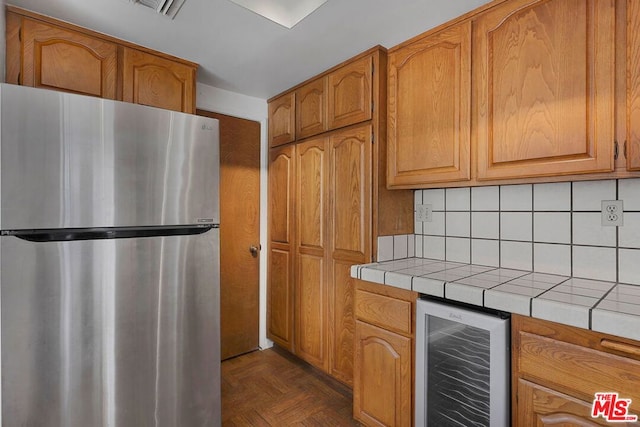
pixel 284 12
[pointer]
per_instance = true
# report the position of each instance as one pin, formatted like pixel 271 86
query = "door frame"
pixel 221 101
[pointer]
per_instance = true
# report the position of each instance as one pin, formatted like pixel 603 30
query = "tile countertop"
pixel 608 307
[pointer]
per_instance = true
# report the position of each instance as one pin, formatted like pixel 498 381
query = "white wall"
pixel 247 107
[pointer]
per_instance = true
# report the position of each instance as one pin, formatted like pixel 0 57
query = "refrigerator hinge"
pixel 615 150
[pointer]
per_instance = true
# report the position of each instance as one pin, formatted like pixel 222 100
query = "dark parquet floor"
pixel 273 388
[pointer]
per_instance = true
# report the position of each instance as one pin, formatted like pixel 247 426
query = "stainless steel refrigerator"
pixel 109 250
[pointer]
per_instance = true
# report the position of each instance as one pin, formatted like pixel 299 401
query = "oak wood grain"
pixel 545 86
pixel 429 109
pixel 633 85
pixel 61 59
pixel 383 311
pixel 282 117
pixel 152 80
pixel 349 94
pixel 13 52
pixel 311 108
pixel 280 264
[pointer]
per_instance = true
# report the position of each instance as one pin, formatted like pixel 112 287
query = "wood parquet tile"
pixel 273 388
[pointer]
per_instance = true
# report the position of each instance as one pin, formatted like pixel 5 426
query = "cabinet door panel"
pixel 59 59
pixel 281 195
pixel 280 294
pixel 151 80
pixel 633 85
pixel 342 321
pixel 311 109
pixel 429 109
pixel 545 75
pixel 540 406
pixel 280 268
pixel 382 380
pixel 350 94
pixel 311 275
pixel 282 117
pixel 350 189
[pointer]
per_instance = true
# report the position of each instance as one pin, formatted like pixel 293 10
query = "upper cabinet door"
pixel 633 85
pixel 544 78
pixel 55 58
pixel 350 94
pixel 429 108
pixel 311 109
pixel 282 118
pixel 151 80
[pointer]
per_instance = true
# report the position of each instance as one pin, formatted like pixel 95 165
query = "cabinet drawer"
pixel 389 313
pixel 569 368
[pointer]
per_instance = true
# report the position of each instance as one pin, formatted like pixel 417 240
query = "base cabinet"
pixel 558 369
pixel 384 348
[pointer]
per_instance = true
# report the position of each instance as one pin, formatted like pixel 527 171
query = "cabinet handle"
pixel 620 346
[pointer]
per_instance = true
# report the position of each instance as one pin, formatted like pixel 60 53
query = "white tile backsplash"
pixel 458 199
pixel 552 197
pixel 458 224
pixel 485 225
pixel 549 228
pixel 588 195
pixel 435 198
pixel 400 246
pixel 516 226
pixel 516 197
pixel 594 263
pixel 588 230
pixel 385 248
pixel 552 227
pixel 517 255
pixel 485 198
pixel 629 236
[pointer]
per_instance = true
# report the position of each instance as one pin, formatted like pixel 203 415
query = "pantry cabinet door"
pixel 311 254
pixel 280 268
pixel 429 109
pixel 633 85
pixel 60 59
pixel 544 78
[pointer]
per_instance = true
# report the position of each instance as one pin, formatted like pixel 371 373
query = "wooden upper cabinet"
pixel 429 109
pixel 282 118
pixel 56 58
pixel 633 85
pixel 281 246
pixel 158 82
pixel 311 108
pixel 544 77
pixel 350 94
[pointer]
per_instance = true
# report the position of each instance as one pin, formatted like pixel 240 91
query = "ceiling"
pixel 243 52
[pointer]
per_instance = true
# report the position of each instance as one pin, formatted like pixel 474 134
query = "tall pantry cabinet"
pixel 328 202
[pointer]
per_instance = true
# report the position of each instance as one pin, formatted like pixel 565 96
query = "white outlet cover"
pixel 612 213
pixel 424 213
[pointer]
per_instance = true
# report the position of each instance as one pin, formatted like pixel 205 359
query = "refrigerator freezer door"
pixel 71 161
pixel 111 332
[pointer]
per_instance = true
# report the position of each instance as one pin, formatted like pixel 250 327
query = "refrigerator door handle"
pixel 70 234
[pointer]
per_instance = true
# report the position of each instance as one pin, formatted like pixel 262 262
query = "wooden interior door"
pixel 311 254
pixel 55 58
pixel 544 77
pixel 239 232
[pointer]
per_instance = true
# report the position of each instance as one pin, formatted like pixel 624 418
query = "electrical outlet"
pixel 424 213
pixel 612 213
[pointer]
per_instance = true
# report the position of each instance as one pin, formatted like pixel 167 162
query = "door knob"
pixel 254 251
